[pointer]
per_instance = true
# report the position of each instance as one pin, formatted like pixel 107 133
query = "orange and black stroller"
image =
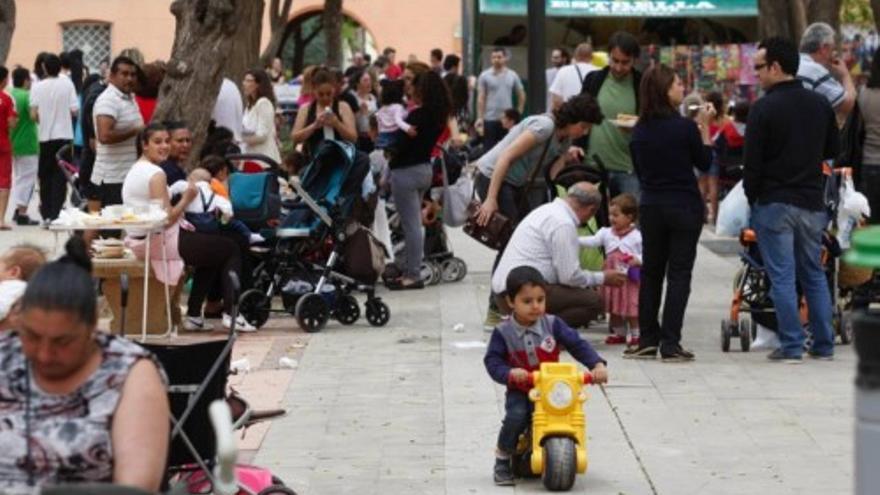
pixel 751 286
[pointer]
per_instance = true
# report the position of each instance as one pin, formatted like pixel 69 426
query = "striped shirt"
pixel 816 77
pixel 113 161
pixel 547 240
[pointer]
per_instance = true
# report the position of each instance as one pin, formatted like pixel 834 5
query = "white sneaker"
pixel 241 324
pixel 257 239
pixel 197 324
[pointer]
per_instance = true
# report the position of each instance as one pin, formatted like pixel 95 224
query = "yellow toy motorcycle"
pixel 555 446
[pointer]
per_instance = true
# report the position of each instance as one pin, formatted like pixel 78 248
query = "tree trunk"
pixel 798 18
pixel 774 18
pixel 279 16
pixel 333 31
pixel 245 54
pixel 875 9
pixel 205 35
pixel 825 11
pixel 7 27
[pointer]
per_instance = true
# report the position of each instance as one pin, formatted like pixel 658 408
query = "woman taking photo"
pixel 362 85
pixel 666 148
pixel 212 256
pixel 79 405
pixel 411 170
pixel 258 125
pixel 324 118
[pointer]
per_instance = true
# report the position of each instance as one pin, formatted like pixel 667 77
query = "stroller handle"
pixel 256 157
pixel 227 451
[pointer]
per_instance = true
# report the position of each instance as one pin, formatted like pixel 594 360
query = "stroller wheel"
pixel 430 273
pixel 745 334
pixel 254 305
pixel 845 327
pixel 276 490
pixel 726 331
pixel 454 269
pixel 312 312
pixel 347 311
pixel 378 313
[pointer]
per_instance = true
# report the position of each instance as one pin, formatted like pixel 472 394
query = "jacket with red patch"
pixel 514 346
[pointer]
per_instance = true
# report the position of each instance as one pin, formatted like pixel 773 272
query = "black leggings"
pixel 213 257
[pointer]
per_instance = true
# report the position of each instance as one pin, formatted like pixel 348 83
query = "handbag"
pixel 456 198
pixel 499 228
pixel 205 222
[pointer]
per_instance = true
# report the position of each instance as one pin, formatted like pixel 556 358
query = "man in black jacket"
pixel 616 94
pixel 790 131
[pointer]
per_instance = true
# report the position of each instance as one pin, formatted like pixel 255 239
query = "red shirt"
pixel 393 72
pixel 7 111
pixel 147 106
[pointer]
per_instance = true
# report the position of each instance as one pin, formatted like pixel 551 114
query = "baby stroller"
pixel 197 377
pixel 255 196
pixel 439 263
pixel 318 234
pixel 64 159
pixel 751 292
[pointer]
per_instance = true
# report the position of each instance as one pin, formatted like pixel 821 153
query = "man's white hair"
pixel 816 36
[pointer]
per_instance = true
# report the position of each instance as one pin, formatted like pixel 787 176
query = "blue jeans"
pixel 782 230
pixel 517 417
pixel 623 182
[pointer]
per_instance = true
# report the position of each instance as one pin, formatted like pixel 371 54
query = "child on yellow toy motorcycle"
pixel 518 346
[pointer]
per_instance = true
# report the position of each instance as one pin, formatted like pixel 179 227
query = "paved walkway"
pixel 409 408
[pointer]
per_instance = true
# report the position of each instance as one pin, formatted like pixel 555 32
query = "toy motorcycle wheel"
pixel 377 313
pixel 725 335
pixel 254 305
pixel 454 270
pixel 560 466
pixel 347 311
pixel 745 334
pixel 311 312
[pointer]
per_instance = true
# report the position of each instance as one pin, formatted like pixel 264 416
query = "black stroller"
pixel 197 377
pixel 316 260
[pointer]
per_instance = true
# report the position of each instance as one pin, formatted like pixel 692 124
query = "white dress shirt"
pixel 547 240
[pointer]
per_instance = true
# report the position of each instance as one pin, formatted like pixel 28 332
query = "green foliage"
pixel 856 12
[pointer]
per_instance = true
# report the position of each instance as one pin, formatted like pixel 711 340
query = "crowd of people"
pixel 662 150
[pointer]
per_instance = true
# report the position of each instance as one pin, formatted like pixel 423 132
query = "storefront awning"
pixel 627 8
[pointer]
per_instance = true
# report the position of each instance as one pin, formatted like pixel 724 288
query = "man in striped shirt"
pixel 823 72
pixel 547 240
pixel 117 124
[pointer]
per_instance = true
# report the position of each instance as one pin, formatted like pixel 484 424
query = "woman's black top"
pixel 417 150
pixel 317 137
pixel 664 154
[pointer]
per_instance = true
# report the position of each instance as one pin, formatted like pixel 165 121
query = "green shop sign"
pixel 627 8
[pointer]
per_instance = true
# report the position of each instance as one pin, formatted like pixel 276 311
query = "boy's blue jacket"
pixel 513 346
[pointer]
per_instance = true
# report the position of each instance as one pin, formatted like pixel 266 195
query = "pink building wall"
pixel 411 26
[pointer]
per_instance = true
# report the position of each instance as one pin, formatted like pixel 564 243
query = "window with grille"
pixel 92 38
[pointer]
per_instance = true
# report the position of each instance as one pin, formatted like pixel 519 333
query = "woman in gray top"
pixel 506 168
pixel 869 106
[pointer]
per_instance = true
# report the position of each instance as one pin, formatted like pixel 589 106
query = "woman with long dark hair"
pixel 325 117
pixel 869 108
pixel 258 125
pixel 665 149
pixel 411 168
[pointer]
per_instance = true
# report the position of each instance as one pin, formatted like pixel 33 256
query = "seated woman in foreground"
pixel 77 405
